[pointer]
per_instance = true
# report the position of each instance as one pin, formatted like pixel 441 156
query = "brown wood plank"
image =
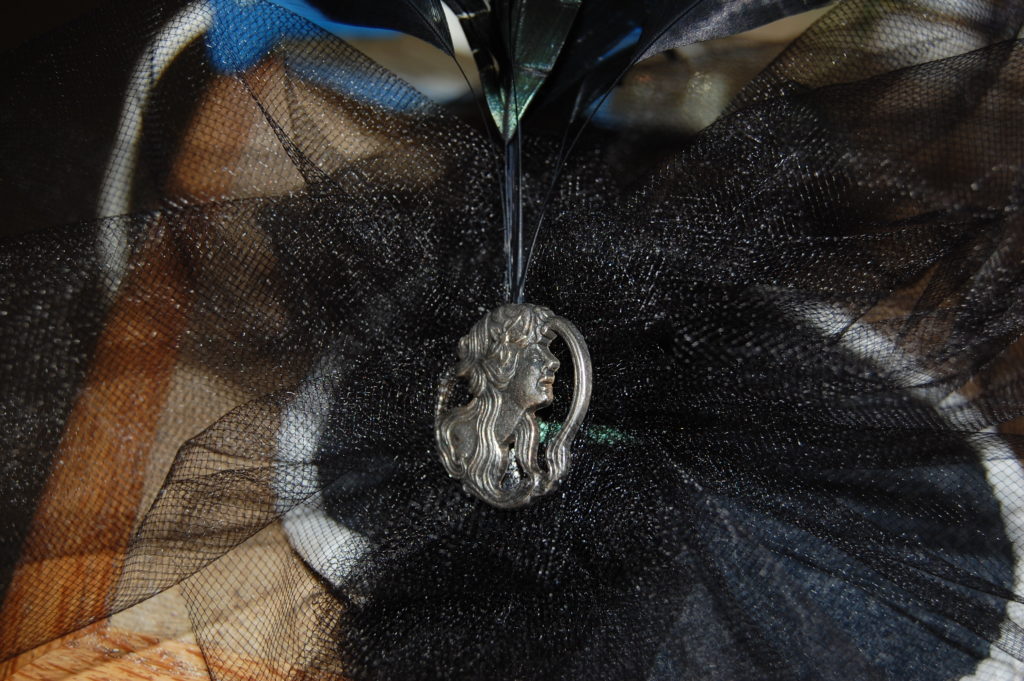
pixel 97 473
pixel 99 653
pixel 99 470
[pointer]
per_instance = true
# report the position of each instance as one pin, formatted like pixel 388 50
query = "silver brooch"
pixel 491 443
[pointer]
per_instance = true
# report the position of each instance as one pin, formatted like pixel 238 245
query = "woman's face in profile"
pixel 533 385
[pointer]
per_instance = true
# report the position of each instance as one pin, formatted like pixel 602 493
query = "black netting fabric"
pixel 239 256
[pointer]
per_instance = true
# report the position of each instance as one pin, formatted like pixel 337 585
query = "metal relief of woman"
pixel 491 443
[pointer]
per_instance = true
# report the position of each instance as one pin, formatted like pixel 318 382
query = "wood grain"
pixel 96 477
pixel 98 653
pixel 100 470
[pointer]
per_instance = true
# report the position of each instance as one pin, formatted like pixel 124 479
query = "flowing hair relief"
pixel 468 436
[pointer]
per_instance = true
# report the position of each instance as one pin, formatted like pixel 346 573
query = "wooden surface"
pixel 101 653
pixel 123 431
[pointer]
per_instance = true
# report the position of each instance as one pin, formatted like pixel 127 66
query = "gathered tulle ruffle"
pixel 801 459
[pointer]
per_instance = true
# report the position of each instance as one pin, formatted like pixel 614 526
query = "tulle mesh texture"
pixel 801 457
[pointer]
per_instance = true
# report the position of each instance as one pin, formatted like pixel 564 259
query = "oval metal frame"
pixel 558 452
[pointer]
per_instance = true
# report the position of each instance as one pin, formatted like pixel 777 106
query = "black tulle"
pixel 801 456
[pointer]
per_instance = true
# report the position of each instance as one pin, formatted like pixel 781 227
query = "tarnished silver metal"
pixel 491 443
